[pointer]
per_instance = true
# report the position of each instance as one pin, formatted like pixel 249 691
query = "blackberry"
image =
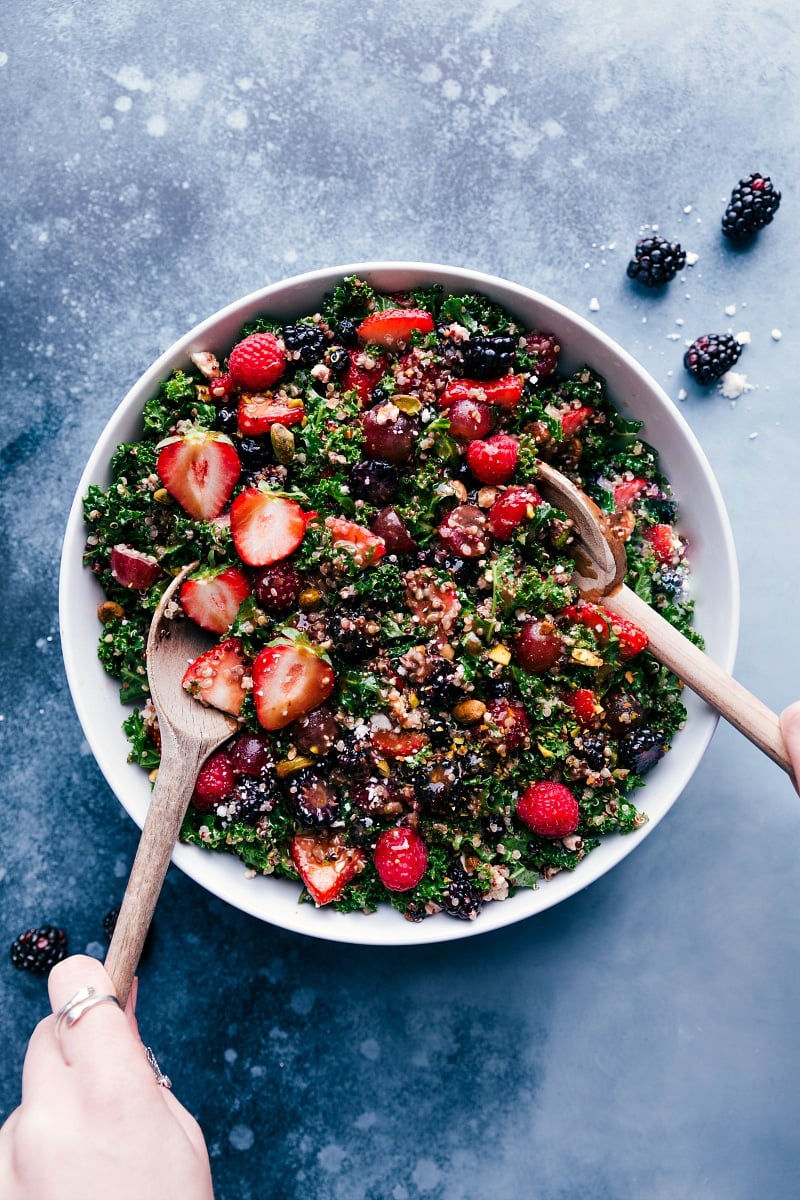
pixel 228 419
pixel 488 357
pixel 656 261
pixel 641 749
pixel 338 359
pixel 592 746
pixel 277 586
pixel 353 637
pixel 347 332
pixel 37 950
pixel 460 897
pixel 250 799
pixel 375 481
pixel 442 685
pixel 304 343
pixel 354 760
pixel 254 452
pixel 710 356
pixel 753 203
pixel 437 783
pixel 364 831
pixel 314 799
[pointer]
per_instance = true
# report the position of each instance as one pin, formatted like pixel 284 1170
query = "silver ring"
pixel 78 1004
pixel 161 1079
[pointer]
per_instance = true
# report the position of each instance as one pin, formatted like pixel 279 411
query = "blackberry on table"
pixel 710 356
pixel 460 897
pixel 753 203
pixel 656 261
pixel 488 357
pixel 304 343
pixel 37 950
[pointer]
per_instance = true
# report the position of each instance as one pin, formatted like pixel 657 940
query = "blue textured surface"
pixel 159 161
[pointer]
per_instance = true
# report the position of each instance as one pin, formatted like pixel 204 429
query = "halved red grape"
pixel 464 531
pixel 389 434
pixel 470 419
pixel 390 526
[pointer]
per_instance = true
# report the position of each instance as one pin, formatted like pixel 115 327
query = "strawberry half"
pixel 258 413
pixel 213 599
pixel 325 864
pixel 199 470
pixel 289 680
pixel 393 326
pixel 505 392
pixel 574 419
pixel 364 545
pixel 266 528
pixel 215 678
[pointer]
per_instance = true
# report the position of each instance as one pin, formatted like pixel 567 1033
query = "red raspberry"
pixel 214 783
pixel 546 349
pixel 257 361
pixel 400 858
pixel 495 460
pixel 220 387
pixel 549 809
pixel 583 703
pixel 507 722
pixel 511 509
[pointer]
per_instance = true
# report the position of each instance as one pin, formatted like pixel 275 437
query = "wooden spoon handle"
pixel 744 710
pixel 174 784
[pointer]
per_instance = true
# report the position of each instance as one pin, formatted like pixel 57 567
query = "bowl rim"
pixel 356 928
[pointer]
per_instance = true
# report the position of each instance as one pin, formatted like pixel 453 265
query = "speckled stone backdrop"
pixel 639 1041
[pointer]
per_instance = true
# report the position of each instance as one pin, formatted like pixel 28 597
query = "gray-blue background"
pixel 639 1041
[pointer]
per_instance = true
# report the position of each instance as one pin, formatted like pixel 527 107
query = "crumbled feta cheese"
pixel 733 384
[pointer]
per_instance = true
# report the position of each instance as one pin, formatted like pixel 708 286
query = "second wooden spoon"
pixel 600 571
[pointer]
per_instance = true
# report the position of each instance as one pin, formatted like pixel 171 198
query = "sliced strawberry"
pixel 583 702
pixel 325 864
pixel 510 510
pixel 133 569
pixel 662 539
pixel 626 492
pixel 574 419
pixel 362 379
pixel 213 598
pixel 215 678
pixel 257 413
pixel 632 639
pixel 289 680
pixel 199 470
pixel 505 392
pixel 266 528
pixel 433 603
pixel 364 545
pixel 394 325
pixel 398 745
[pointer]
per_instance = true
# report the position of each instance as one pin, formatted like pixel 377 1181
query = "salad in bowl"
pixel 433 725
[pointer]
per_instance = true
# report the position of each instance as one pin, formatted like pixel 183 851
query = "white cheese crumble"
pixel 733 384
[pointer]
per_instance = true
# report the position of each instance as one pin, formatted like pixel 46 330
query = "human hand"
pixel 93 1122
pixel 790 730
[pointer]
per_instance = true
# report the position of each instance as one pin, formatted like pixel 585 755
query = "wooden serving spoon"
pixel 600 571
pixel 189 733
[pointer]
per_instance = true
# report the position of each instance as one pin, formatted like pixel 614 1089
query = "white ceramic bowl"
pixel 703 520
